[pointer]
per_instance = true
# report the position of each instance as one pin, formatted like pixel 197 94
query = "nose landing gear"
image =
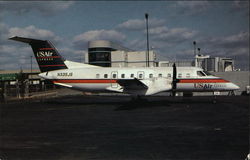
pixel 231 93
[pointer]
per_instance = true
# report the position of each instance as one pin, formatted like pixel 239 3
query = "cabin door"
pixel 113 78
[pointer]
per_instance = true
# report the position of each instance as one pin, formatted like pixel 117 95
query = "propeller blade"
pixel 174 80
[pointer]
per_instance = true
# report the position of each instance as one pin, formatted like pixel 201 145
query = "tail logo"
pixel 44 54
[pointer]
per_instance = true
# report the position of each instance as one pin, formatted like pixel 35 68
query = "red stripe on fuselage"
pixel 85 81
pixel 115 81
pixel 202 81
pixel 49 57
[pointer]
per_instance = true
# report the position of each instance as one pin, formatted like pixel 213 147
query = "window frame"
pixel 105 75
pixel 123 75
pixel 151 75
pixel 179 75
pixel 97 76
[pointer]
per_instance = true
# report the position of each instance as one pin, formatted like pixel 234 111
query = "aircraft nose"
pixel 234 86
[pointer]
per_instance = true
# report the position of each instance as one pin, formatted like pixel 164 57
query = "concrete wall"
pixel 177 63
pixel 131 59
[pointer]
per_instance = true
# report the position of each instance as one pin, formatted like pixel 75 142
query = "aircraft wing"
pixel 134 84
pixel 147 87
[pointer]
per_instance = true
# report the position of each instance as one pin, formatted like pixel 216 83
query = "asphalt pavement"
pixel 111 127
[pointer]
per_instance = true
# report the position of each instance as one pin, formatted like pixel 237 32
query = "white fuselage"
pixel 156 79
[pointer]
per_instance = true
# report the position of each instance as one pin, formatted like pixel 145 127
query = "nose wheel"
pixel 231 93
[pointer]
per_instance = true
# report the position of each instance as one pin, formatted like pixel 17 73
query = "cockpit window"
pixel 207 73
pixel 200 73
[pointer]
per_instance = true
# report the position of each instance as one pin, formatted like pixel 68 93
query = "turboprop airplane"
pixel 134 81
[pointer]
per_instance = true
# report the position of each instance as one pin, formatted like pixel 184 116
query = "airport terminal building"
pixel 99 52
pixel 109 54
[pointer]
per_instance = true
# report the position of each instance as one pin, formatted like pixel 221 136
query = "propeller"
pixel 175 80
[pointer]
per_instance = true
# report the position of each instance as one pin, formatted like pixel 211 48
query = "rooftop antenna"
pixel 30 66
pixel 147 56
pixel 194 43
pixel 199 51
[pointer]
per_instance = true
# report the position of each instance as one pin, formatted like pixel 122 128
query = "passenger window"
pixel 169 75
pixel 105 75
pixel 140 76
pixel 151 75
pixel 97 75
pixel 188 75
pixel 201 74
pixel 123 75
pixel 132 75
pixel 114 75
pixel 160 75
pixel 179 75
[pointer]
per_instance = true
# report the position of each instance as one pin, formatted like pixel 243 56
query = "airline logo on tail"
pixel 44 54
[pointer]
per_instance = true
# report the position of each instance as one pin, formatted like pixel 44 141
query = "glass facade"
pixel 100 56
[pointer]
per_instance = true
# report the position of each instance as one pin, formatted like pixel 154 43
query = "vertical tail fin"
pixel 47 57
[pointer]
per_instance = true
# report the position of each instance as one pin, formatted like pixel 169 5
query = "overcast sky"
pixel 220 28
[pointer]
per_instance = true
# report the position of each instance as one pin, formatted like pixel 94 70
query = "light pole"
pixel 195 58
pixel 30 66
pixel 147 56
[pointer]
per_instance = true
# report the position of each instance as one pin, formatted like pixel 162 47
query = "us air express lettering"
pixel 203 86
pixel 44 53
pixel 220 85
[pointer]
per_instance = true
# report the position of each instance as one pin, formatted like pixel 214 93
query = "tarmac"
pixel 114 127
